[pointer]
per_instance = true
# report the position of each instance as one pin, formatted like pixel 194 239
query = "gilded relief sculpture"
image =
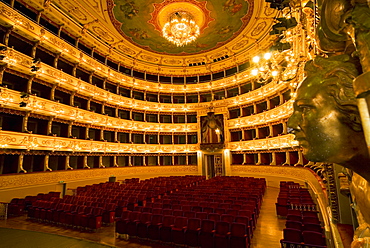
pixel 331 110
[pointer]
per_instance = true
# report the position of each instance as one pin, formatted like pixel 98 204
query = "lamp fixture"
pixel 181 28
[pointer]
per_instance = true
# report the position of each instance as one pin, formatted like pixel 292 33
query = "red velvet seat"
pixel 238 236
pixel 214 216
pixel 227 217
pixel 293 224
pixel 314 238
pixel 189 214
pixel 131 224
pixel 178 212
pixel 310 219
pixel 95 219
pixel 154 226
pixel 206 234
pixel 247 222
pixel 291 237
pixel 121 222
pixel 192 232
pixel 178 230
pixel 201 215
pixel 109 213
pixel 166 227
pixel 142 224
pixel 313 227
pixel 222 234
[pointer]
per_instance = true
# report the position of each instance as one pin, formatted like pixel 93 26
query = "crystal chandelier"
pixel 181 29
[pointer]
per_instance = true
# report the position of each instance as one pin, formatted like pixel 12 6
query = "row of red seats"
pixel 17 206
pixel 292 196
pixel 71 215
pixel 181 230
pixel 303 226
pixel 218 215
pixel 204 203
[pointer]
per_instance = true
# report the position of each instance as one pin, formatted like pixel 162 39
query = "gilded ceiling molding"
pixel 102 27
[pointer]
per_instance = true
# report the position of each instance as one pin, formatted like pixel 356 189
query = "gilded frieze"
pixel 27 141
pixel 273 115
pixel 279 142
pixel 26 180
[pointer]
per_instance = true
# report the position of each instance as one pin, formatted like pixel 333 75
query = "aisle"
pixel 269 228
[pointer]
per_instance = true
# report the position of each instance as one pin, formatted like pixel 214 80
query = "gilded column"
pixel 29 84
pixel 20 164
pixel 70 125
pixel 66 165
pixel 300 159
pixel 46 163
pixel 50 125
pixel 273 162
pixel 259 161
pixel 72 99
pixel 25 122
pixel 115 164
pixel 85 163
pixel 287 158
pixel 52 92
pixel 101 165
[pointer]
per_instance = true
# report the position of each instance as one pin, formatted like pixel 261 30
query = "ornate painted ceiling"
pixel 140 22
pixel 128 31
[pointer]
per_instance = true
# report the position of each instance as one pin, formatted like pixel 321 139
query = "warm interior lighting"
pixel 181 29
pixel 256 59
pixel 267 56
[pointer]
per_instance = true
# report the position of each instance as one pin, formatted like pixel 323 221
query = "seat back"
pixel 222 227
pixel 180 222
pixel 312 227
pixel 207 226
pixel 194 224
pixel 168 220
pixel 237 229
pixel 214 216
pixel 292 235
pixel 227 217
pixel 313 238
pixel 156 218
pixel 201 215
pixel 293 224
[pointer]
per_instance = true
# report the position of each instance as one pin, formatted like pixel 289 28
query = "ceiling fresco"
pixel 139 22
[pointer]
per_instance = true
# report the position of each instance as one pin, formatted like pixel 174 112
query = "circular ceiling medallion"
pixel 163 11
pixel 140 22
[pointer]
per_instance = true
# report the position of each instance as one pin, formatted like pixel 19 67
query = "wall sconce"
pixel 35 63
pixel 34 68
pixel 22 104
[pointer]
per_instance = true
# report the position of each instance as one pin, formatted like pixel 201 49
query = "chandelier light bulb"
pixel 255 72
pixel 274 73
pixel 267 56
pixel 256 59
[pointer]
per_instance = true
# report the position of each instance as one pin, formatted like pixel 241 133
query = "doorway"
pixel 214 165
